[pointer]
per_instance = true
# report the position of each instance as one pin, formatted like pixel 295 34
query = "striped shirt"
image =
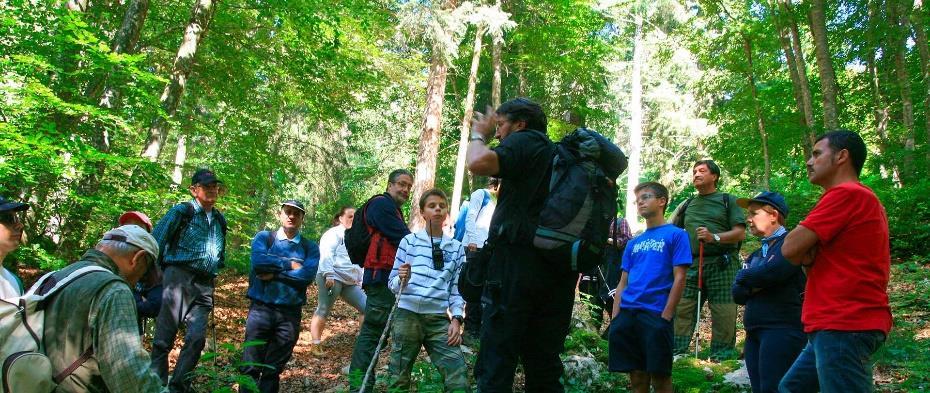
pixel 429 291
pixel 200 247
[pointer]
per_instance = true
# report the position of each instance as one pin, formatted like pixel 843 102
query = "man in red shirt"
pixel 844 245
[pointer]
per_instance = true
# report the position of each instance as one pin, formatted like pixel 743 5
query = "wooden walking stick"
pixel 700 283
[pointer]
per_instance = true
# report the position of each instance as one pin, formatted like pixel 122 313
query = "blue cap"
pixel 770 198
pixel 7 205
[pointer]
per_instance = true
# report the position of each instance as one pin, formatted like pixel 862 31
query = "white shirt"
pixel 334 259
pixel 9 287
pixel 478 220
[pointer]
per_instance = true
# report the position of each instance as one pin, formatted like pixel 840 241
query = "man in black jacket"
pixel 528 302
pixel 382 214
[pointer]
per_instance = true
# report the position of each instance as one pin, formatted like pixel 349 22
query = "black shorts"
pixel 640 340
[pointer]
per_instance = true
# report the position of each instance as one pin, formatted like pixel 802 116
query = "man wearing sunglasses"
pixel 192 241
pixel 91 323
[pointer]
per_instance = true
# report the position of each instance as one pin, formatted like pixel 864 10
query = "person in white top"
pixel 337 277
pixel 11 236
pixel 477 222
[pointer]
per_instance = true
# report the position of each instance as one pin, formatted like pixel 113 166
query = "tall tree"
pixel 897 11
pixel 923 49
pixel 787 26
pixel 201 16
pixel 447 28
pixel 636 121
pixel 757 106
pixel 818 23
pixel 490 20
pixel 879 103
pixel 468 107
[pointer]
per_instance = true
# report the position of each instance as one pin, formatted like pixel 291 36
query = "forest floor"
pixel 902 364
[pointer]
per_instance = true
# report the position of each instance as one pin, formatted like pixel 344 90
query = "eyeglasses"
pixel 10 218
pixel 645 197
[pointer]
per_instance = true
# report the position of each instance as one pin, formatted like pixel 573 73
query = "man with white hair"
pixel 91 336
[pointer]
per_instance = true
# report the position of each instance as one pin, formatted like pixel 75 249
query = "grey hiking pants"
pixel 187 298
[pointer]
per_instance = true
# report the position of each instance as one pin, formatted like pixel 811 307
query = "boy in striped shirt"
pixel 425 279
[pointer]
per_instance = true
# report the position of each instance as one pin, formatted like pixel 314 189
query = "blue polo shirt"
pixel 649 260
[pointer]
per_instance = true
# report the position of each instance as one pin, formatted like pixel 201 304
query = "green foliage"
pixel 904 354
pixel 219 372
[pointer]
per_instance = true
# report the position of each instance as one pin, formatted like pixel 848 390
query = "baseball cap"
pixel 130 215
pixel 770 198
pixel 139 237
pixel 136 236
pixel 7 205
pixel 204 176
pixel 295 204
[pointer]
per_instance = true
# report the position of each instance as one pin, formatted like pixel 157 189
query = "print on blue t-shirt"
pixel 649 261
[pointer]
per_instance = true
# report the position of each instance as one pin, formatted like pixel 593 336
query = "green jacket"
pixel 97 311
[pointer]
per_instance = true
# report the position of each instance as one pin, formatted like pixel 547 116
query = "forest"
pixel 111 105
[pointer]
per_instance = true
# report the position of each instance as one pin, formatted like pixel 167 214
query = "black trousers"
pixel 526 319
pixel 473 309
pixel 279 328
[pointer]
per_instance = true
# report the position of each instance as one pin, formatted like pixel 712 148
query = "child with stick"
pixel 425 278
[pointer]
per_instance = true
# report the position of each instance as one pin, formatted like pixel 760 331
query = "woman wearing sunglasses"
pixel 11 236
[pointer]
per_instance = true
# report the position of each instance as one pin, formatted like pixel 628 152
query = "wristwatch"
pixel 716 238
pixel 458 318
pixel 476 137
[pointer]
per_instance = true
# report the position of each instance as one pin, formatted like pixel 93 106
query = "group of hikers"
pixel 816 306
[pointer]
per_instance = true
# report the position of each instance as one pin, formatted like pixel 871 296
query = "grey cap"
pixel 136 236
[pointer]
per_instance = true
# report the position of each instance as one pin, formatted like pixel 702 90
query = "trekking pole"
pixel 387 326
pixel 697 324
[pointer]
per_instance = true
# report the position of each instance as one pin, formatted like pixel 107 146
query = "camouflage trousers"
pixel 718 281
pixel 411 331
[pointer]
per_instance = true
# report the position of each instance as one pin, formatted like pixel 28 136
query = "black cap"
pixel 295 204
pixel 7 205
pixel 204 176
pixel 770 198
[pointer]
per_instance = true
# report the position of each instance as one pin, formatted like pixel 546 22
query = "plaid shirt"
pixel 620 232
pixel 122 362
pixel 200 247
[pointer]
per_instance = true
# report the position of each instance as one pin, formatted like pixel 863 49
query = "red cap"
pixel 134 215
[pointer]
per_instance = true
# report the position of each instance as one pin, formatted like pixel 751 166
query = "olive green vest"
pixel 67 323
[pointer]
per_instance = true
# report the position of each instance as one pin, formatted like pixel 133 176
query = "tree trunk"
pixel 201 16
pixel 923 48
pixel 760 119
pixel 897 17
pixel 797 68
pixel 636 125
pixel 466 123
pixel 425 175
pixel 496 74
pixel 77 5
pixel 180 156
pixel 125 41
pixel 818 23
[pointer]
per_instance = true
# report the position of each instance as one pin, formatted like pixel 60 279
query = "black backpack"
pixel 186 216
pixel 575 220
pixel 358 238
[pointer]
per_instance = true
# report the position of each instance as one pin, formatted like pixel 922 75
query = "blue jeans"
pixel 834 361
pixel 770 352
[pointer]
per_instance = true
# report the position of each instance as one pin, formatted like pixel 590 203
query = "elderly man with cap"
pixel 770 287
pixel 11 236
pixel 192 241
pixel 90 325
pixel 284 264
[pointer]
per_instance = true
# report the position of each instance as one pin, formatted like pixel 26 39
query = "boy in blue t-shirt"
pixel 654 267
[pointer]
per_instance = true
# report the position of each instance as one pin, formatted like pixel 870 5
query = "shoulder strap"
pixel 187 214
pixel 38 288
pixel 221 219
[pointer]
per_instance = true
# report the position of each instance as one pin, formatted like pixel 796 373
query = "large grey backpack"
pixel 574 223
pixel 26 368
